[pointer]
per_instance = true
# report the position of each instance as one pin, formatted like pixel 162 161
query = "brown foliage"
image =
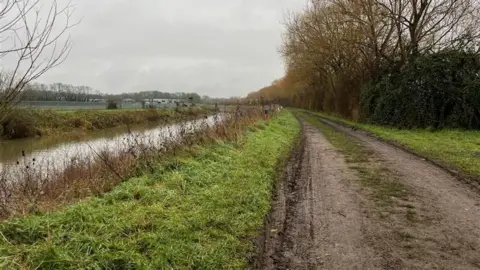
pixel 333 48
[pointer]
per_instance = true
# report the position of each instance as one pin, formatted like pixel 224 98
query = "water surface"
pixel 57 153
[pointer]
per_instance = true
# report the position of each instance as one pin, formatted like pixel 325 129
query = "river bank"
pixel 59 175
pixel 183 214
pixel 28 123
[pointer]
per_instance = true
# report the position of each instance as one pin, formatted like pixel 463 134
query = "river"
pixel 56 153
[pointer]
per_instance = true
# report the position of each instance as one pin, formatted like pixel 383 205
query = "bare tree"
pixel 34 39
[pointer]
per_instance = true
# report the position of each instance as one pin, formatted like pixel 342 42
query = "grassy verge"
pixel 458 149
pixel 384 189
pixel 200 210
pixel 23 123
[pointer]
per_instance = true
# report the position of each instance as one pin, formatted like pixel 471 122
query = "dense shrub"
pixel 435 90
pixel 18 124
pixel 112 105
pixel 78 122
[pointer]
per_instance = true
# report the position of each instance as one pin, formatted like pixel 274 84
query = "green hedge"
pixel 434 90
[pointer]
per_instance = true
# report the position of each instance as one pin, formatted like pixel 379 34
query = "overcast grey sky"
pixel 218 48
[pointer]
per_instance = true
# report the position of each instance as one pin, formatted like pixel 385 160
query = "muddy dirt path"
pixel 323 218
pixel 445 233
pixel 316 221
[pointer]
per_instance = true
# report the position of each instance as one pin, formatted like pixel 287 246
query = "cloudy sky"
pixel 218 48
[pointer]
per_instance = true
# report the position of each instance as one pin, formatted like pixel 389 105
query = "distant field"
pixel 66 105
pixel 70 106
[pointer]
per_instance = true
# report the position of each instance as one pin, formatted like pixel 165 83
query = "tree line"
pixel 68 92
pixel 35 39
pixel 406 63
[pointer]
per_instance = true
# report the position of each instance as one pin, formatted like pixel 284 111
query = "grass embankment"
pixel 24 123
pixel 201 210
pixel 456 149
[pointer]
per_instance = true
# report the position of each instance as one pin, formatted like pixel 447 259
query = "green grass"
pixel 201 210
pixel 459 149
pixel 98 110
pixel 378 180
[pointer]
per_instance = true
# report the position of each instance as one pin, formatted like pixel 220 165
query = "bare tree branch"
pixel 37 41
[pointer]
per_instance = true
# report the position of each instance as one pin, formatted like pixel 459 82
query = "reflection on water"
pixel 11 150
pixel 58 153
